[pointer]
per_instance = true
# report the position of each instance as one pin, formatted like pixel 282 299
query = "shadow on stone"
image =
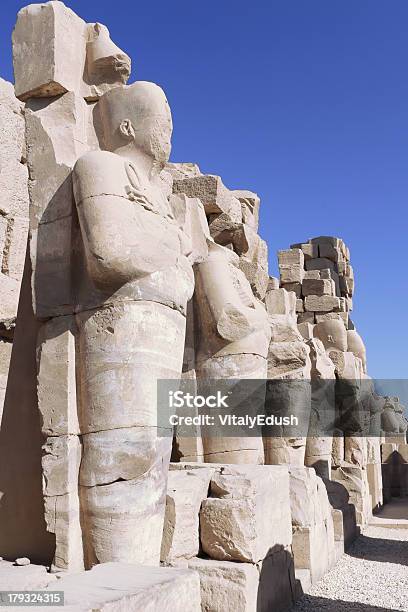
pixel 277 583
pixel 22 526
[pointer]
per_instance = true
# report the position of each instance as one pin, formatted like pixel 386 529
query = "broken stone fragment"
pixel 23 561
pixel 186 489
pixel 238 522
pixel 250 203
pixel 55 51
pixel 332 333
pixel 182 170
pixel 215 197
pixel 280 302
pixel 288 357
pixel 226 585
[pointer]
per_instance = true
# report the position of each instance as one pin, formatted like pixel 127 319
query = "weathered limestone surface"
pixel 289 366
pixel 313 530
pixel 14 206
pixel 186 489
pixel 245 587
pixel 238 522
pixel 114 587
pixel 55 51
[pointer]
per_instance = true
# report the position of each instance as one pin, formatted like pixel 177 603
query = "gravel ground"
pixel 371 577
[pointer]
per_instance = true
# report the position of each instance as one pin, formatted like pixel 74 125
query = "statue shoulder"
pixel 99 173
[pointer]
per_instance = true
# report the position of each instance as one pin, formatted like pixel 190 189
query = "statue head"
pixel 105 62
pixel 137 115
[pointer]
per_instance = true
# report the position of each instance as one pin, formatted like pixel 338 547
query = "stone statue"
pixel 133 252
pixel 233 338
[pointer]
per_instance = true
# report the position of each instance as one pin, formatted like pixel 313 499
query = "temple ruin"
pixel 138 270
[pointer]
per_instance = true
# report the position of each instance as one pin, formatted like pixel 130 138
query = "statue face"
pixel 154 137
pixel 138 114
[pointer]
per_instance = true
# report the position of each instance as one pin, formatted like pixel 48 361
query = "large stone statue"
pixel 233 338
pixel 133 255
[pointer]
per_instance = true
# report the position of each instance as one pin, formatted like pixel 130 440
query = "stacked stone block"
pixel 242 542
pixel 320 274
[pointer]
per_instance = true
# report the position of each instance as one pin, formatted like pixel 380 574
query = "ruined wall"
pixel 258 518
pixel 13 220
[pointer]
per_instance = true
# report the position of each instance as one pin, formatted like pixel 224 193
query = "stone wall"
pixel 13 220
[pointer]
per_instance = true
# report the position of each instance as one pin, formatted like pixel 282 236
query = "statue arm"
pixel 234 320
pixel 122 240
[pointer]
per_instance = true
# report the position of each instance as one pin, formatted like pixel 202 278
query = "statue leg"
pixel 123 350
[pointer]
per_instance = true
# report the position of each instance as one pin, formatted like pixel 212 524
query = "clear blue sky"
pixel 305 102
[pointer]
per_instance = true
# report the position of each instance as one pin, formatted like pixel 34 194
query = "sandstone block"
pixel 330 252
pixel 291 256
pixel 60 464
pixel 115 587
pixel 320 263
pixel 273 283
pixel 306 317
pixel 238 522
pixel 226 585
pixel 314 274
pixel 283 328
pixel 281 302
pixel 55 51
pixel 182 170
pixel 331 240
pixel 354 479
pixel 56 361
pixel 186 489
pixel 27 577
pixel 318 287
pixel 295 287
pixel 62 517
pixel 291 273
pixel 323 303
pixel 310 251
pixel 215 197
pixel 299 305
pixel 257 277
pixel 250 203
